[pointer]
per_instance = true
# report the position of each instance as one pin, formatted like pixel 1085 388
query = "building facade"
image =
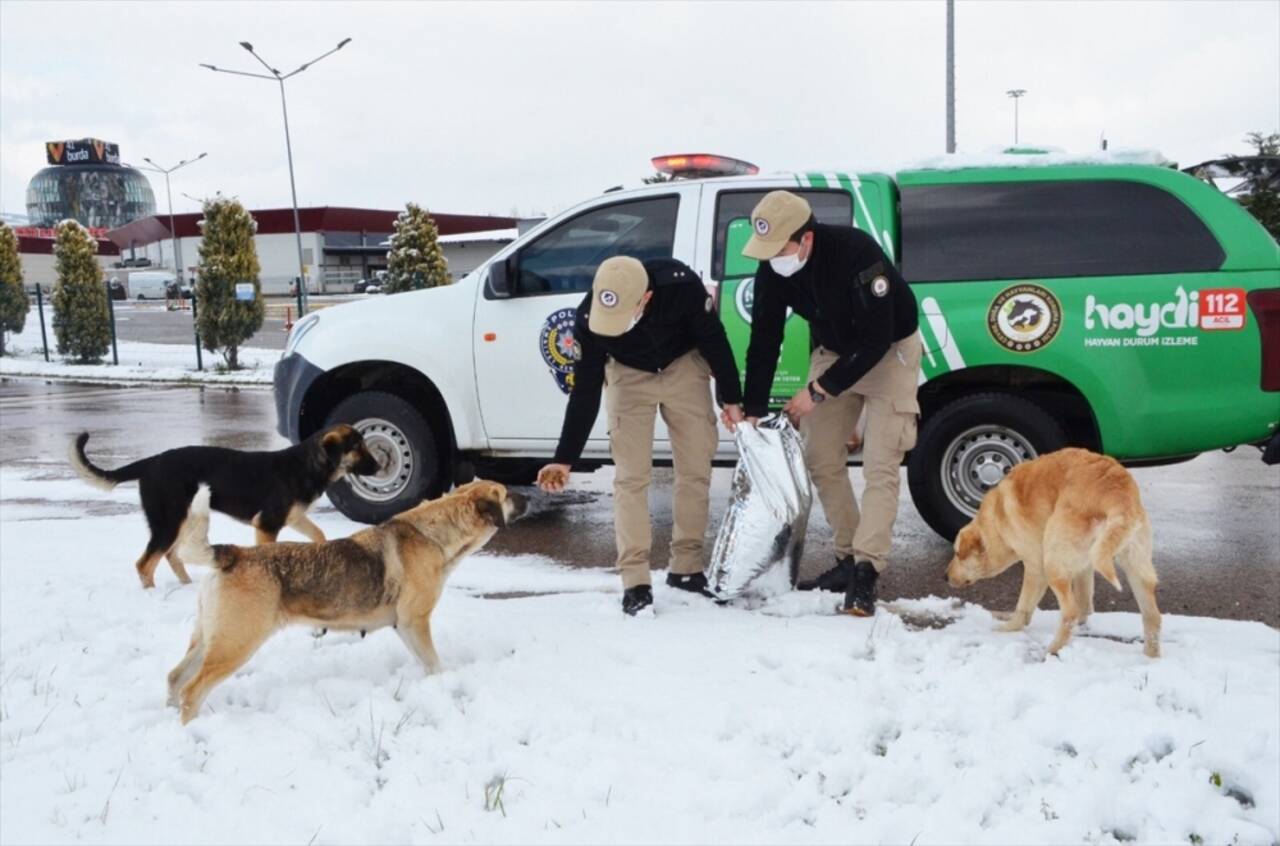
pixel 86 182
pixel 340 246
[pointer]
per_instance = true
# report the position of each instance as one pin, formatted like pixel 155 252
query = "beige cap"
pixel 616 292
pixel 773 221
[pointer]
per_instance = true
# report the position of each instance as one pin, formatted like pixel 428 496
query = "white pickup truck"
pixel 1026 271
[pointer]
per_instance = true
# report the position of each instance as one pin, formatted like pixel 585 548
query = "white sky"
pixel 530 107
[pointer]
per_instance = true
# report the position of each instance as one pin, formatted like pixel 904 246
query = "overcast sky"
pixel 531 107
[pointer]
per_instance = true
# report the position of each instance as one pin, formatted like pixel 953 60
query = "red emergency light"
pixel 700 165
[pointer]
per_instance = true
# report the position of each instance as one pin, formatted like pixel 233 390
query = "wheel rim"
pixel 977 460
pixel 395 455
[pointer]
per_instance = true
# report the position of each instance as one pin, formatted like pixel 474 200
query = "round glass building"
pixel 89 187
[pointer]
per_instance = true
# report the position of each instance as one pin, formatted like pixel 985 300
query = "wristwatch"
pixel 816 395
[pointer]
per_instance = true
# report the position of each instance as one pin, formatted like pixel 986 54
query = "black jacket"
pixel 848 312
pixel 680 317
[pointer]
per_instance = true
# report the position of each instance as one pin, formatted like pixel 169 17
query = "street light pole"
pixel 951 76
pixel 177 244
pixel 1016 94
pixel 278 77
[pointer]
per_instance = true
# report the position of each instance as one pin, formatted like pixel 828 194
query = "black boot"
pixel 835 580
pixel 692 582
pixel 636 599
pixel 860 593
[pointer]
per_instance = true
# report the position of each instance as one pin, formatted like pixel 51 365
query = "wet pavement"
pixel 1216 518
pixel 153 323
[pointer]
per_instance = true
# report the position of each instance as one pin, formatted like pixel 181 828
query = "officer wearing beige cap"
pixel 863 322
pixel 648 335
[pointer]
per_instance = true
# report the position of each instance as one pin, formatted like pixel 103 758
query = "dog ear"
pixel 969 543
pixel 491 510
pixel 332 439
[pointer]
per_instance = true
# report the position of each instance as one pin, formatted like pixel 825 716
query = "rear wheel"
pixel 967 447
pixel 403 442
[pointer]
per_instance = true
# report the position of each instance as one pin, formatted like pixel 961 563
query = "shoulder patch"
pixel 880 286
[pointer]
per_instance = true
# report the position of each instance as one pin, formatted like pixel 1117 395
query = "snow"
pixel 779 723
pixel 487 235
pixel 997 157
pixel 139 361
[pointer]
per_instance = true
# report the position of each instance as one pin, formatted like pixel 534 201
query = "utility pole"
pixel 276 76
pixel 951 76
pixel 1017 94
pixel 177 243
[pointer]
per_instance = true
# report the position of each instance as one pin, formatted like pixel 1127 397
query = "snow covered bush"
pixel 227 258
pixel 415 260
pixel 81 322
pixel 13 299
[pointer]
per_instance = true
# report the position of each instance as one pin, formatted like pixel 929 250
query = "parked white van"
pixel 150 284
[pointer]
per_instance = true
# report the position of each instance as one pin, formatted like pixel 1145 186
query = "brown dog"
pixel 391 574
pixel 1063 515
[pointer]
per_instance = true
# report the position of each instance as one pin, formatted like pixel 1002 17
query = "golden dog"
pixel 1063 515
pixel 391 574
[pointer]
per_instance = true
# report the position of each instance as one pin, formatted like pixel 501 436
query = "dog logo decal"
pixel 558 347
pixel 1024 318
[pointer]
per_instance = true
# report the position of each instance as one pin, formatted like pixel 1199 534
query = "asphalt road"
pixel 1216 518
pixel 153 323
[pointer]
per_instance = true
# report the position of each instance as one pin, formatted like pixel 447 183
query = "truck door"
pixel 525 349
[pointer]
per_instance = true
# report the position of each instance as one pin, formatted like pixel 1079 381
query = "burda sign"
pixel 1175 322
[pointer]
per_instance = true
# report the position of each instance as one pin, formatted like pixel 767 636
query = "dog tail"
pixel 1116 533
pixel 193 539
pixel 97 476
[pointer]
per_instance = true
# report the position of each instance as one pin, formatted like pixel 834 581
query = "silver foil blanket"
pixel 761 540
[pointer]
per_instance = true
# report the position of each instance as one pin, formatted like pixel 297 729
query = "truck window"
pixel 1022 230
pixel 828 207
pixel 564 260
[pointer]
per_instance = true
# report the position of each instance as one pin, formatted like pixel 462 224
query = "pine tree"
pixel 415 260
pixel 1263 200
pixel 81 322
pixel 13 299
pixel 227 257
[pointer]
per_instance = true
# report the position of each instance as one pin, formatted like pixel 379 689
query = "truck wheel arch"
pixel 1056 395
pixel 387 376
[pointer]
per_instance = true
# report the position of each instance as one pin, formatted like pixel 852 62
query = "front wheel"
pixel 967 447
pixel 403 442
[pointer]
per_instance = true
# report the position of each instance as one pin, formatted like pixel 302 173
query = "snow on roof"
pixel 1031 156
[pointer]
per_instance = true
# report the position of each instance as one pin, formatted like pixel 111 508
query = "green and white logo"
pixel 1024 318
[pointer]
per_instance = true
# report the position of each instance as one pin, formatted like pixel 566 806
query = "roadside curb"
pixel 134 380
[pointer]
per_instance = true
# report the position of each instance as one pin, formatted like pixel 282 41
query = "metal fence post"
pixel 111 310
pixel 195 325
pixel 44 336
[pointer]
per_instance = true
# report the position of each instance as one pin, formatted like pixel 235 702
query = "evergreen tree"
pixel 415 260
pixel 1263 198
pixel 227 257
pixel 81 323
pixel 13 299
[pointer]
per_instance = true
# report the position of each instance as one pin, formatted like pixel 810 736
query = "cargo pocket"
pixel 907 413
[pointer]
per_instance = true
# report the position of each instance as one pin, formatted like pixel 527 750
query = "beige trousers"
pixel 888 392
pixel 682 395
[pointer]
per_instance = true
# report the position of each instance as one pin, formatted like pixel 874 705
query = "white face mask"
pixel 787 265
pixel 634 320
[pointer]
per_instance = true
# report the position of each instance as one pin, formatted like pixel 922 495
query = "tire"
pixel 403 440
pixel 967 447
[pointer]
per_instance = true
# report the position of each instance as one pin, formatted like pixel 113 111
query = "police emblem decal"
pixel 880 286
pixel 608 298
pixel 1024 318
pixel 558 347
pixel 762 226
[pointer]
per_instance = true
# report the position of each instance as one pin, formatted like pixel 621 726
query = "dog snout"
pixel 518 505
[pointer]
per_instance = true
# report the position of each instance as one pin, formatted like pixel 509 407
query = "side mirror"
pixel 500 278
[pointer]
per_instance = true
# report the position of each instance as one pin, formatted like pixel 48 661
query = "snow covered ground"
pixel 558 720
pixel 139 361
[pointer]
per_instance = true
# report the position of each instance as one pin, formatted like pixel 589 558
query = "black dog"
pixel 269 490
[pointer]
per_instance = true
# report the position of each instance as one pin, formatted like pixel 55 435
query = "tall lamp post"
pixel 1016 94
pixel 177 244
pixel 951 76
pixel 276 76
